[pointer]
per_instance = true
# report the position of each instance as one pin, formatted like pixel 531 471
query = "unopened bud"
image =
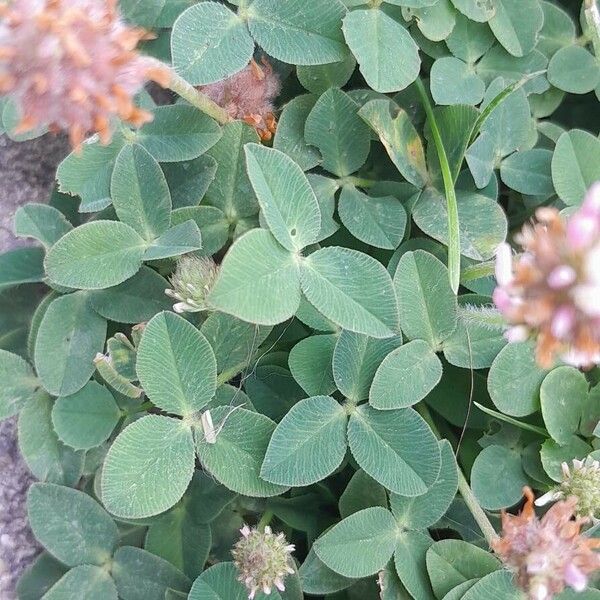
pixel 191 283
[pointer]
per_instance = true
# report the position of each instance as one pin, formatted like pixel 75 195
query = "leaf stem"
pixel 265 520
pixel 138 409
pixel 196 98
pixel 452 206
pixel 464 488
pixel 356 182
pixel 592 17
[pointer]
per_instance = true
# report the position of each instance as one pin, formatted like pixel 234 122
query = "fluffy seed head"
pixel 552 290
pixel 262 559
pixel 191 283
pixel 581 480
pixel 248 95
pixel 547 554
pixel 72 65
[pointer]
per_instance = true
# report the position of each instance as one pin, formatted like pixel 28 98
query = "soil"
pixel 26 175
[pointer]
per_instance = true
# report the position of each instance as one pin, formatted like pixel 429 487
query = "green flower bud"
pixel 191 283
pixel 580 481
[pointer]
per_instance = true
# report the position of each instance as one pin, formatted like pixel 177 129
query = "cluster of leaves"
pixel 334 322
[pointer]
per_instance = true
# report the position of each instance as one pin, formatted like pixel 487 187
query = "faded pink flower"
pixel 547 554
pixel 262 559
pixel 72 65
pixel 248 96
pixel 552 290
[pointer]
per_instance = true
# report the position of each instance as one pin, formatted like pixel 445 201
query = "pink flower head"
pixel 248 95
pixel 72 65
pixel 547 554
pixel 552 290
pixel 262 559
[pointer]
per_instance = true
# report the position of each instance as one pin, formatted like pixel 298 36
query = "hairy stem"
pixel 464 488
pixel 196 98
pixel 141 408
pixel 592 17
pixel 452 206
pixel 265 520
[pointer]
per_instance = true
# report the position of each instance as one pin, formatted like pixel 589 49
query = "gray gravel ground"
pixel 26 175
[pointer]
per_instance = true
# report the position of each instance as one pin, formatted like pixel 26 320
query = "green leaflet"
pixel 310 362
pixel 380 222
pixel 335 128
pixel 356 359
pixel 497 477
pixel 427 304
pixel 140 193
pixel 308 444
pixel 19 383
pixel 361 544
pixel 301 32
pixel 140 575
pixel 96 255
pixel 178 132
pixel 258 281
pixel 220 582
pixel 405 376
pixel 210 42
pixel 236 457
pixel 89 580
pixel 575 165
pixel 85 419
pixel 352 289
pixel 386 53
pixel 176 365
pixel 396 448
pixel 71 525
pixel 423 511
pixel 68 339
pixel 148 467
pixel 287 201
pixel 41 222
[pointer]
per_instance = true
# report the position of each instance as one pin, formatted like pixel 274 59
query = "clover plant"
pixel 253 348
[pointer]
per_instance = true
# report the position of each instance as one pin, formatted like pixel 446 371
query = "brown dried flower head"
pixel 72 65
pixel 547 554
pixel 552 290
pixel 248 96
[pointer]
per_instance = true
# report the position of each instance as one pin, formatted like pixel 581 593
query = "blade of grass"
pixel 539 430
pixel 500 97
pixel 449 190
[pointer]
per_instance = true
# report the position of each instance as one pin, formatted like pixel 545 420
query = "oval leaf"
pixel 299 32
pixel 209 42
pixel 18 383
pixel 68 339
pixel 239 451
pixel 396 448
pixel 405 376
pixel 85 419
pixel 176 365
pixel 308 444
pixel 140 193
pixel 95 255
pixel 71 525
pixel 148 467
pixel 286 199
pixel 386 53
pixel 258 281
pixel 352 289
pixel 361 544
